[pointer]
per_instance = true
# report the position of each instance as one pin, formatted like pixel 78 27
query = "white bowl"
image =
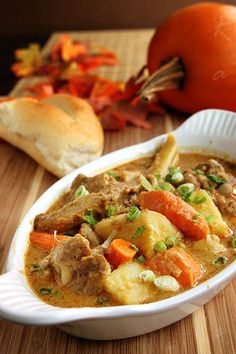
pixel 214 129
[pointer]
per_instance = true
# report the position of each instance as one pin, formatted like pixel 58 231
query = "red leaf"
pixel 41 90
pixel 104 93
pixel 123 113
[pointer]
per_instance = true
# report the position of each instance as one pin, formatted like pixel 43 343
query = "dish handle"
pixel 13 294
pixel 19 304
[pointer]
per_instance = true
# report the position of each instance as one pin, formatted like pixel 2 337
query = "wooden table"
pixel 211 329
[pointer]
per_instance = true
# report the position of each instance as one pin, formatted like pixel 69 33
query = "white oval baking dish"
pixel 208 129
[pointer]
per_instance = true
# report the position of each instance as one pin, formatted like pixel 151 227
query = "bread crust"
pixel 60 132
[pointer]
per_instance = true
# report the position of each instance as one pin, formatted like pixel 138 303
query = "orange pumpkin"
pixel 203 37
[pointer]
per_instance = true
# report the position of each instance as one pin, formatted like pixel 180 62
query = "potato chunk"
pixel 165 157
pixel 210 245
pixel 210 211
pixel 155 227
pixel 126 287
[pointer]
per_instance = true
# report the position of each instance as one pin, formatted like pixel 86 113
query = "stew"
pixel 142 232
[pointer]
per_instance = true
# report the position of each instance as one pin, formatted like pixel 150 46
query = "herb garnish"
pixel 216 179
pixel 89 218
pixel 138 232
pixel 112 174
pixel 133 214
pixel 111 210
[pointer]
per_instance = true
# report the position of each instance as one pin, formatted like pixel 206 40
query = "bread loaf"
pixel 60 132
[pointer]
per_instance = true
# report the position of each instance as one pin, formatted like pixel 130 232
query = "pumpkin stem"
pixel 167 77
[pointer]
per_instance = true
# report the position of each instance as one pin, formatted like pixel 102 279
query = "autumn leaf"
pixel 66 49
pixel 29 61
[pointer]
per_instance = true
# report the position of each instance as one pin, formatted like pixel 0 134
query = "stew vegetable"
pixel 142 232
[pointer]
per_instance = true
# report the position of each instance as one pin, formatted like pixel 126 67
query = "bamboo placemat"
pixel 211 329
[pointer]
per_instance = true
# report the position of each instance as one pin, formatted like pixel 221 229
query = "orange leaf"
pixel 29 60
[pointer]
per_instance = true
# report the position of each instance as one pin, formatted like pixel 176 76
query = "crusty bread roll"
pixel 60 132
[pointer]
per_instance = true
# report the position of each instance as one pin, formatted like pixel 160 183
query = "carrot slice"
pixel 180 214
pixel 119 252
pixel 177 263
pixel 46 241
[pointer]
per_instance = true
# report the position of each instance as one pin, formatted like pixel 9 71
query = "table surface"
pixel 211 329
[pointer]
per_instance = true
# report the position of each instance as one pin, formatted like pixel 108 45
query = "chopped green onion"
pixel 233 242
pixel 89 218
pixel 180 245
pixel 216 179
pixel 185 188
pixel 81 191
pixel 57 293
pixel 160 246
pixel 138 232
pixel 133 213
pixel 177 178
pixel 35 265
pixel 134 247
pixel 173 170
pixel 145 183
pixel 166 283
pixel 196 216
pixel 112 174
pixel 147 276
pixel 102 299
pixel 157 175
pixel 45 291
pixel 187 197
pixel 165 186
pixel 198 172
pixel 198 199
pixel 111 210
pixel 220 260
pixel 140 259
pixel 209 218
pixel 170 241
pixel 175 175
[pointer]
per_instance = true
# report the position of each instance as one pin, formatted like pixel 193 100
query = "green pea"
pixel 177 178
pixel 140 259
pixel 160 246
pixel 170 241
pixel 165 186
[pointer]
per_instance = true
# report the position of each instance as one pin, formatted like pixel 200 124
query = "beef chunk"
pixel 225 189
pixel 92 184
pixel 71 215
pixel 191 177
pixel 226 204
pixel 127 176
pixel 213 167
pixel 73 263
pixel 199 178
pixel 90 274
pixel 65 257
pixel 87 232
